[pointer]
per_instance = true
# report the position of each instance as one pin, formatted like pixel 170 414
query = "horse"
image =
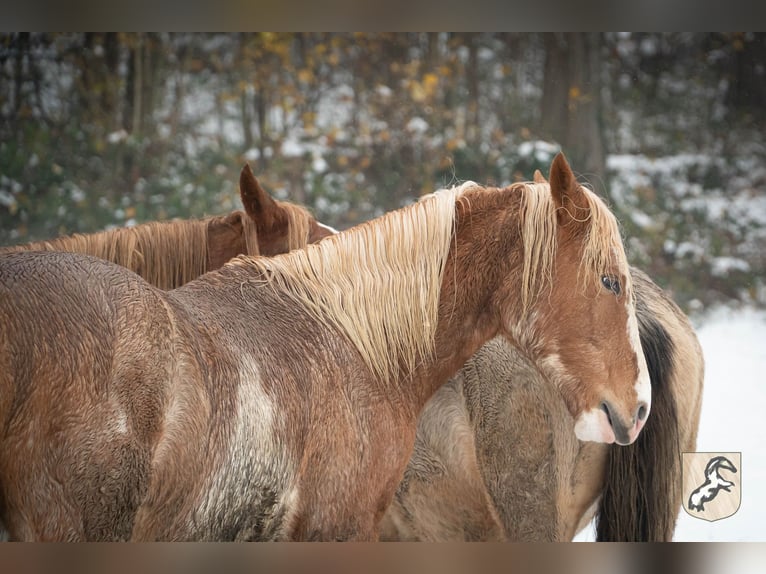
pixel 277 398
pixel 168 254
pixel 495 457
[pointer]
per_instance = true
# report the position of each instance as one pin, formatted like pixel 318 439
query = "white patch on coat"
pixel 121 421
pixel 593 425
pixel 256 462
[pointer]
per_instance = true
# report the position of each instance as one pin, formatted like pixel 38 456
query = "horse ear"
pixel 539 177
pixel 259 205
pixel 567 193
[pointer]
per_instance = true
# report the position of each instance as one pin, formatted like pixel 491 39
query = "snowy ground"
pixel 733 420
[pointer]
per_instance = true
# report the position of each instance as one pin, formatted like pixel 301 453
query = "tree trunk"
pixel 583 131
pixel 571 103
pixel 553 116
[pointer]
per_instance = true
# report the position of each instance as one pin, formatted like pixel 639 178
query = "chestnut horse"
pixel 278 398
pixel 170 253
pixel 495 457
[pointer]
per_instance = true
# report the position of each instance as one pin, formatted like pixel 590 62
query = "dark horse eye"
pixel 611 283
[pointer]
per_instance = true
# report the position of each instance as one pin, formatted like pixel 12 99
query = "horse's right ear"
pixel 539 177
pixel 567 194
pixel 258 204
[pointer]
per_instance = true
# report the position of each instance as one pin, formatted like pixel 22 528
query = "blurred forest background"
pixel 110 129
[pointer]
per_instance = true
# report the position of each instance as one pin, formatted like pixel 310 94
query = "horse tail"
pixel 639 502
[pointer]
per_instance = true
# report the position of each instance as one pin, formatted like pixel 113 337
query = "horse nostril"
pixel 605 408
pixel 642 410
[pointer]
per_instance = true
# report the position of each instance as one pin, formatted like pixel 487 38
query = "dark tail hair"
pixel 639 502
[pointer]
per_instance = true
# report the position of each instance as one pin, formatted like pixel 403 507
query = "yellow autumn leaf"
pixel 574 93
pixel 430 83
pixel 305 75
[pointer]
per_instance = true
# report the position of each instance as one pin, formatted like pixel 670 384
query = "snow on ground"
pixel 733 420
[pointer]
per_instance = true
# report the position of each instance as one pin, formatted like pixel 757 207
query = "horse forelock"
pixel 165 253
pixel 602 245
pixel 377 283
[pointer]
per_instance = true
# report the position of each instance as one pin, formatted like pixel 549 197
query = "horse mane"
pixel 298 228
pixel 165 253
pixel 602 245
pixel 377 283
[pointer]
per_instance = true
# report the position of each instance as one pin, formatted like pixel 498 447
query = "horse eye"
pixel 611 283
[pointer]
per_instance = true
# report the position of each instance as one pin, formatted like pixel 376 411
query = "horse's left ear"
pixel 539 177
pixel 567 194
pixel 259 205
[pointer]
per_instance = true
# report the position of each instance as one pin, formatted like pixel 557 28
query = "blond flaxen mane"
pixel 299 225
pixel 166 254
pixel 602 246
pixel 378 283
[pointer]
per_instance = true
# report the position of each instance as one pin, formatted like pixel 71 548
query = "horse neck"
pixel 474 292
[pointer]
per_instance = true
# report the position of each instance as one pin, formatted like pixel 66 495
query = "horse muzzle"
pixel 603 424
